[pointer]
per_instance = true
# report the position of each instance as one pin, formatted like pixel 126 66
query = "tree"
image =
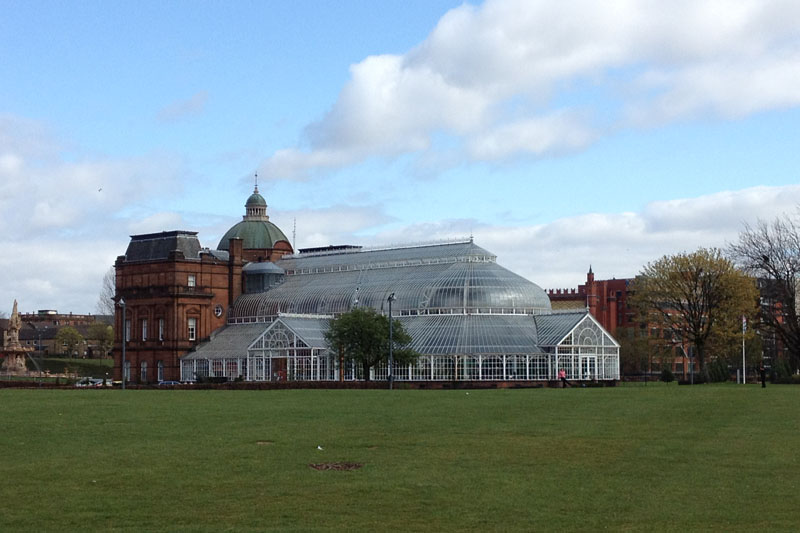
pixel 362 336
pixel 103 334
pixel 697 297
pixel 69 338
pixel 770 251
pixel 105 302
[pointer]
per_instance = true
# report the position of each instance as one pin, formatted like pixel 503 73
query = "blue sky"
pixel 558 134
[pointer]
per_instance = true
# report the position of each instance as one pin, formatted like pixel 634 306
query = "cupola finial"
pixel 256 189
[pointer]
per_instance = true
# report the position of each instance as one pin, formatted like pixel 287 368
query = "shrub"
pixel 667 376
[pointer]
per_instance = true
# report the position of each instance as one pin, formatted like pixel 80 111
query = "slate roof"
pixel 158 246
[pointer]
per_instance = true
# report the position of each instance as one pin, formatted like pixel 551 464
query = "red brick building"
pixel 606 299
pixel 175 292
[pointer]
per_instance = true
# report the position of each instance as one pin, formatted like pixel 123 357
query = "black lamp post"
pixel 391 358
pixel 124 338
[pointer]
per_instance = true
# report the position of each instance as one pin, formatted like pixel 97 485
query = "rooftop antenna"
pixel 256 181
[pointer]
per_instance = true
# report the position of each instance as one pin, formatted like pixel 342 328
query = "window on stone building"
pixel 128 330
pixel 192 329
pixel 144 329
pixel 161 329
pixel 143 372
pixel 160 368
pixel 192 281
pixel 127 371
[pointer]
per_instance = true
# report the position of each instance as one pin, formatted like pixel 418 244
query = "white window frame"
pixel 144 329
pixel 161 329
pixel 192 324
pixel 143 372
pixel 191 281
pixel 127 330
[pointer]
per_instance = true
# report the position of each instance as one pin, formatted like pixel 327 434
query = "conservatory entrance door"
pixel 278 367
pixel 588 367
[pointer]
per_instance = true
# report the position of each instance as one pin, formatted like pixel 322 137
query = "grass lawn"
pixel 721 457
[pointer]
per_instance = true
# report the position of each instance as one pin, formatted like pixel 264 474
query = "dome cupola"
pixel 255 229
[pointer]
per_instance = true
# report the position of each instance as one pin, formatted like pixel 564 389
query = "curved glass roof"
pixel 434 279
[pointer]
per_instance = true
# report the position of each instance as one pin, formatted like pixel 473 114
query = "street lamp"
pixel 391 359
pixel 124 338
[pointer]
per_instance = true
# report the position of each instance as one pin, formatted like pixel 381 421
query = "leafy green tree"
pixel 362 336
pixel 103 335
pixel 697 297
pixel 69 338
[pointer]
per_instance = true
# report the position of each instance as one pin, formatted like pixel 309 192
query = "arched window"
pixel 143 372
pixel 160 367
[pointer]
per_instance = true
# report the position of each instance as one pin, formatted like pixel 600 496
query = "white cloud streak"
pixel 488 76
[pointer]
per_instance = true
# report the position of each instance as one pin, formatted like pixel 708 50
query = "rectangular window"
pixel 143 372
pixel 128 330
pixel 161 329
pixel 144 329
pixel 192 281
pixel 192 329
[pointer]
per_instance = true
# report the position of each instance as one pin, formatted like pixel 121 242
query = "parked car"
pixel 168 383
pixel 89 382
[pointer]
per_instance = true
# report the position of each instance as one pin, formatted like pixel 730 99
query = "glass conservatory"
pixel 469 318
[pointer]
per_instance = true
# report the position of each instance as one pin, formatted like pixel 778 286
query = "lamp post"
pixel 124 338
pixel 391 358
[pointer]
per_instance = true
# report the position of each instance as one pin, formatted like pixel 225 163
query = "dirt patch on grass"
pixel 335 466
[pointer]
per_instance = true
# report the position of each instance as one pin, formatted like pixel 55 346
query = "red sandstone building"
pixel 174 293
pixel 606 299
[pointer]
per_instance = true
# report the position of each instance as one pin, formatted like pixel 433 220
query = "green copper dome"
pixel 255 200
pixel 255 229
pixel 256 234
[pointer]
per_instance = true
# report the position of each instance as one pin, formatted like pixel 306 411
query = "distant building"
pixel 606 300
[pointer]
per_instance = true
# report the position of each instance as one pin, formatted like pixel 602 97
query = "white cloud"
pixel 558 254
pixel 64 216
pixel 488 75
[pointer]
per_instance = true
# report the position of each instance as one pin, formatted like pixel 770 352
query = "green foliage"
pixel 696 299
pixel 103 335
pixel 362 336
pixel 667 376
pixel 718 370
pixel 68 339
pixel 550 460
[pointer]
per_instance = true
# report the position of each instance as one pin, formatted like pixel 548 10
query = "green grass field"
pixel 711 457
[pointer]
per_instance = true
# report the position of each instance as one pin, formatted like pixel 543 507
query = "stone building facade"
pixel 175 292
